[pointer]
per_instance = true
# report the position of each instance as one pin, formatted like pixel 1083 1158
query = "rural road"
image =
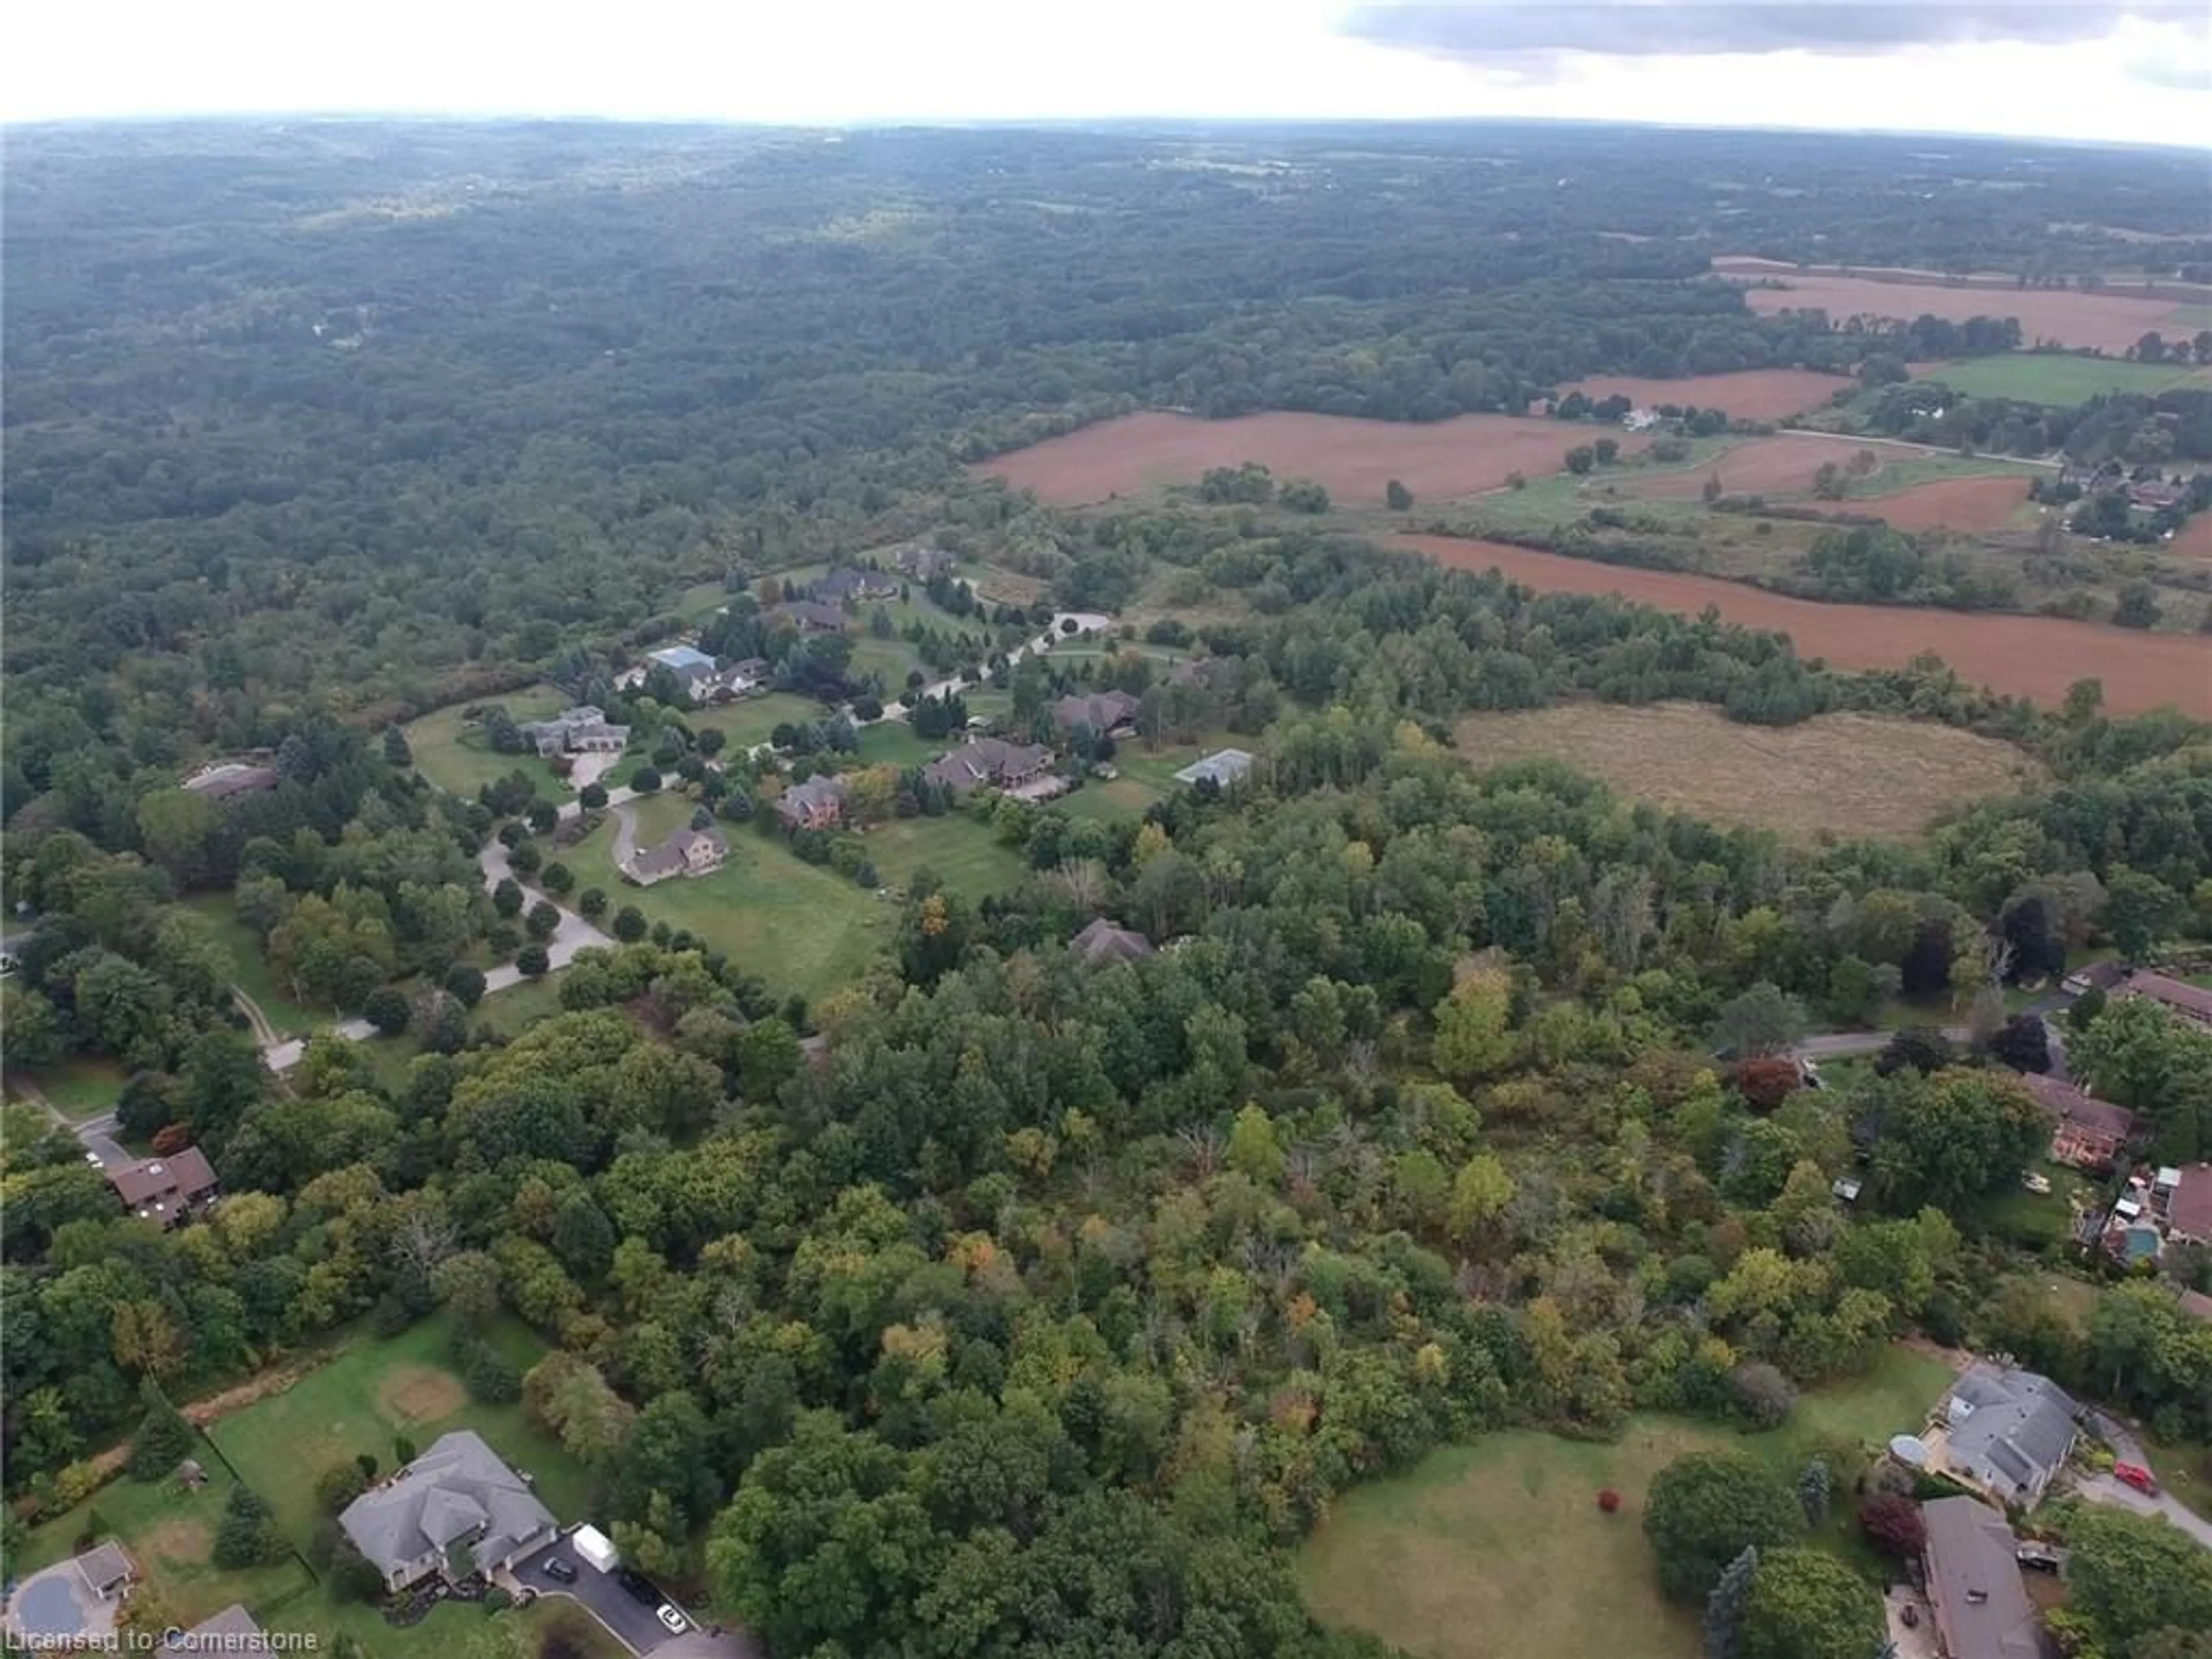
pixel 97 1133
pixel 1901 443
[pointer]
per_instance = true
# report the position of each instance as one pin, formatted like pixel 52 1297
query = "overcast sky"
pixel 2132 70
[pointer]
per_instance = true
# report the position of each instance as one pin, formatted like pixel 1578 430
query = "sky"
pixel 2117 70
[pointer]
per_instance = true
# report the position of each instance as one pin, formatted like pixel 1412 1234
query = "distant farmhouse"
pixel 164 1190
pixel 1107 713
pixel 1222 767
pixel 582 730
pixel 685 853
pixel 991 763
pixel 809 616
pixel 223 780
pixel 697 673
pixel 817 804
pixel 844 586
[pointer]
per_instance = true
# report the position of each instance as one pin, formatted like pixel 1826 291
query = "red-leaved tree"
pixel 1892 1523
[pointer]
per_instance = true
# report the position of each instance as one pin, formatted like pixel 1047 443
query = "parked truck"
pixel 596 1547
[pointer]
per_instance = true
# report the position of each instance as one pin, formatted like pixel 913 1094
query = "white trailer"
pixel 595 1547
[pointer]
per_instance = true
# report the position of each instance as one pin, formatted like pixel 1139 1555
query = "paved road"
pixel 96 1134
pixel 2102 1489
pixel 631 1621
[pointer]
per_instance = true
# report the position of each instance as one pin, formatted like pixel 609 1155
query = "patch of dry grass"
pixel 1839 775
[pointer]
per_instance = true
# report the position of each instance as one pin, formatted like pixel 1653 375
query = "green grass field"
pixel 372 1391
pixel 893 743
pixel 1124 797
pixel 2055 379
pixel 170 1532
pixel 79 1089
pixel 1901 470
pixel 1504 1535
pixel 750 721
pixel 966 856
pixel 457 759
pixel 250 969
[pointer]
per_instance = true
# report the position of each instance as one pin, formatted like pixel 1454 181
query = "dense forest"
pixel 1003 1303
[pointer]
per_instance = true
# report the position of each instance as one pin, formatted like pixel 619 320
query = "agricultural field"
pixel 1844 775
pixel 2036 657
pixel 2101 321
pixel 455 756
pixel 2061 380
pixel 1504 1534
pixel 1751 394
pixel 1354 459
pixel 1971 505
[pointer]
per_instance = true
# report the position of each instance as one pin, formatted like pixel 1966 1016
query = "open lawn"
pixel 2061 380
pixel 801 928
pixel 1842 774
pixel 893 743
pixel 1499 1545
pixel 963 851
pixel 750 721
pixel 1124 797
pixel 79 1089
pixel 169 1531
pixel 455 756
pixel 372 1391
pixel 250 969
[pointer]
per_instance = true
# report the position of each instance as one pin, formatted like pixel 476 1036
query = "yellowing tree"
pixel 1474 1027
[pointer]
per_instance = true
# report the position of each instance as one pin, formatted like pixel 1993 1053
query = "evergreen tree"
pixel 1724 1627
pixel 1813 1488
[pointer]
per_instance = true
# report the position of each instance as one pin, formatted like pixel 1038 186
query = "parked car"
pixel 675 1621
pixel 560 1568
pixel 2135 1475
pixel 638 1585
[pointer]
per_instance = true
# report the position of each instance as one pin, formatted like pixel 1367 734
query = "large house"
pixel 2087 1133
pixel 987 763
pixel 1105 941
pixel 844 586
pixel 810 617
pixel 816 804
pixel 2184 1001
pixel 226 779
pixel 1107 713
pixel 164 1189
pixel 457 1510
pixel 922 561
pixel 2189 1204
pixel 686 853
pixel 1222 767
pixel 582 730
pixel 1974 1588
pixel 2005 1432
pixel 697 673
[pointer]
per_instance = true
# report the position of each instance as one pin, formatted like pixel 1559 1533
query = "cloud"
pixel 1488 29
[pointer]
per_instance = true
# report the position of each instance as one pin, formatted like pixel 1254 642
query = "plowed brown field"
pixel 2109 321
pixel 2036 657
pixel 1776 466
pixel 1755 394
pixel 2194 539
pixel 1953 503
pixel 1354 459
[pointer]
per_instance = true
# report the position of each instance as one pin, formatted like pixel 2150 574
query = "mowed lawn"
pixel 1841 774
pixel 370 1393
pixel 1498 1546
pixel 169 1531
pixel 79 1089
pixel 963 852
pixel 455 756
pixel 750 721
pixel 2059 380
pixel 249 968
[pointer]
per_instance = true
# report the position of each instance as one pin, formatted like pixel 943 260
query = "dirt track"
pixel 1774 467
pixel 2109 321
pixel 1757 394
pixel 2034 657
pixel 1354 459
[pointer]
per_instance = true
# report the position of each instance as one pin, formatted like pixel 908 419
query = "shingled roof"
pixel 457 1493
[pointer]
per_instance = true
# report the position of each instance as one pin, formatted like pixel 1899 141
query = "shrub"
pixel 1609 1501
pixel 164 1439
pixel 1705 1510
pixel 338 1486
pixel 533 961
pixel 465 984
pixel 645 780
pixel 247 1537
pixel 629 924
pixel 592 797
pixel 1892 1525
pixel 386 1010
pixel 592 901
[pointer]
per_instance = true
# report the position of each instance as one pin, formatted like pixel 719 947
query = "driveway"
pixel 2102 1489
pixel 635 1626
pixel 1836 1044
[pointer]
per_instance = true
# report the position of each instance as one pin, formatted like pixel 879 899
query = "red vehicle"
pixel 2136 1476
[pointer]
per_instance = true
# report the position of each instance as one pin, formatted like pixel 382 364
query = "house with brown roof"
pixel 685 853
pixel 1106 941
pixel 2191 1002
pixel 1973 1564
pixel 226 780
pixel 987 763
pixel 1106 714
pixel 2087 1133
pixel 816 804
pixel 165 1189
pixel 2189 1206
pixel 843 587
pixel 809 616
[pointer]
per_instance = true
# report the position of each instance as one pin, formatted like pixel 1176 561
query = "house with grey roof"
pixel 809 616
pixel 2005 1431
pixel 582 730
pixel 232 1630
pixel 687 852
pixel 816 804
pixel 922 560
pixel 1106 941
pixel 1106 714
pixel 457 1510
pixel 1222 767
pixel 987 763
pixel 843 587
pixel 1981 1606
